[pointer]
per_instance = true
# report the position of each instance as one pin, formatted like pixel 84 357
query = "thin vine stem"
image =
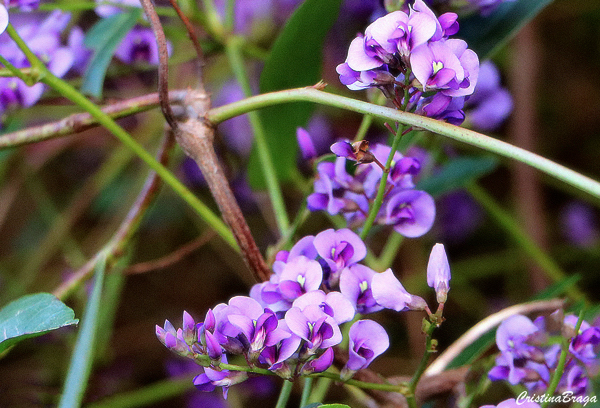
pixel 311 94
pixel 233 50
pixel 429 348
pixel 562 360
pixel 550 268
pixel 374 210
pixel 105 120
pixel 284 394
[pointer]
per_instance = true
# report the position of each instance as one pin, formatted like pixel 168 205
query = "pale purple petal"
pixel 389 292
pixel 368 339
pixel 438 272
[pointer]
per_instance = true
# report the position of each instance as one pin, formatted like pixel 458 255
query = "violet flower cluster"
pixel 410 211
pixel 529 353
pixel 411 59
pixel 290 324
pixel 44 35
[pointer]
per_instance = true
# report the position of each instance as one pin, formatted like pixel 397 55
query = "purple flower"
pixel 340 248
pixel 307 148
pixel 319 364
pixel 325 197
pixel 335 304
pixel 411 212
pixel 390 294
pixel 314 326
pixel 579 224
pixel 173 339
pixel 585 345
pixel 139 45
pixel 300 275
pixel 44 40
pixel 211 379
pixel 490 104
pixel 438 272
pixel 355 285
pixel 368 340
pixel 436 66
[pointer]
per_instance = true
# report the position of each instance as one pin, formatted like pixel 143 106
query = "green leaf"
pixel 485 35
pixel 457 173
pixel 32 316
pixel 83 354
pixel 334 406
pixel 294 61
pixel 103 38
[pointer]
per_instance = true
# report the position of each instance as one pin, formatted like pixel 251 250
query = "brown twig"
pixel 163 63
pixel 190 30
pixel 171 258
pixel 82 121
pixel 116 246
pixel 196 136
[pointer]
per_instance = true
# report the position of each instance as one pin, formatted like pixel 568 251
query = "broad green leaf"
pixel 457 173
pixel 294 61
pixel 32 316
pixel 485 35
pixel 103 38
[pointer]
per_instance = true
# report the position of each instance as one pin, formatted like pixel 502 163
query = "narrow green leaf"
pixel 334 406
pixel 294 61
pixel 457 173
pixel 32 316
pixel 83 354
pixel 485 35
pixel 103 38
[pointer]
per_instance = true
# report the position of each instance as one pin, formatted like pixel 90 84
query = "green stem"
pixel 71 93
pixel 520 237
pixel 310 94
pixel 12 71
pixel 562 361
pixel 382 186
pixel 308 382
pixel 74 96
pixel 410 398
pixel 38 69
pixel 234 53
pixel 320 390
pixel 388 254
pixel 284 395
pixel 401 388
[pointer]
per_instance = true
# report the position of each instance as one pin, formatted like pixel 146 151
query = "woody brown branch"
pixel 196 136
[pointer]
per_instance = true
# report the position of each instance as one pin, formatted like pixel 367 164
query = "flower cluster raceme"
pixel 530 353
pixel 410 211
pixel 290 324
pixel 410 57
